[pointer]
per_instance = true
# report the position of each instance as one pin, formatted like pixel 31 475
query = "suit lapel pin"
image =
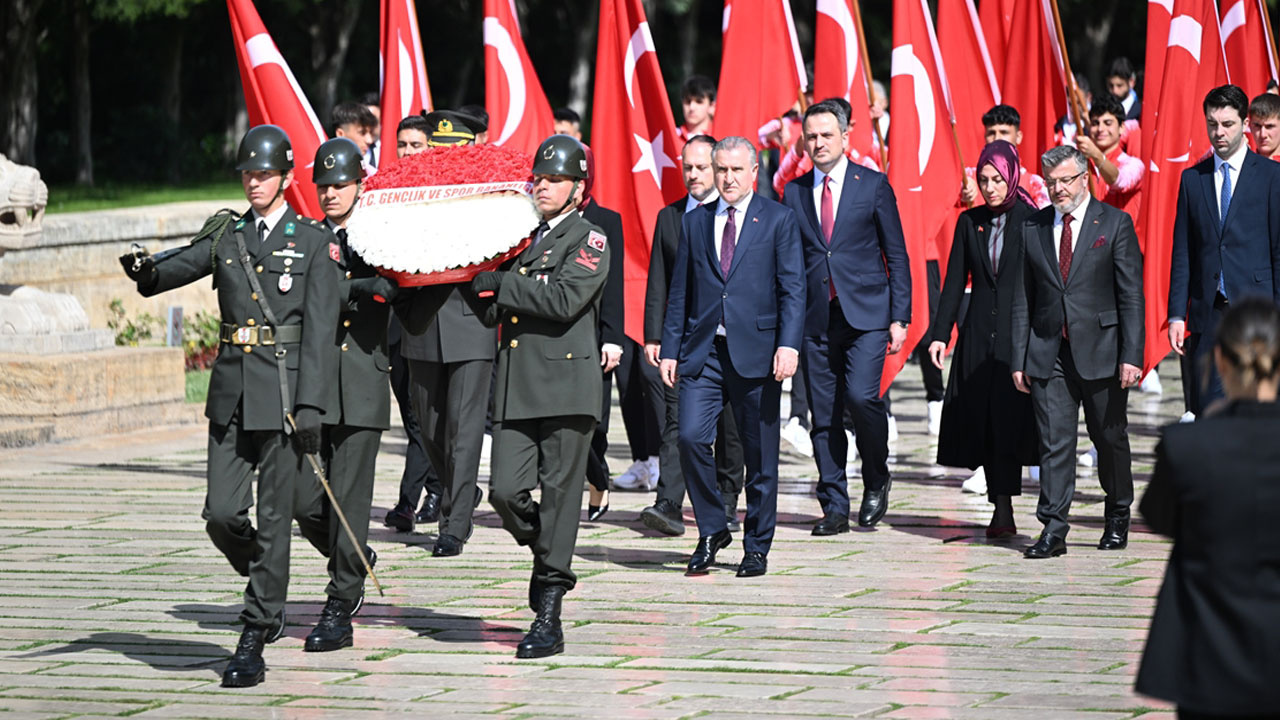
pixel 981 229
pixel 755 219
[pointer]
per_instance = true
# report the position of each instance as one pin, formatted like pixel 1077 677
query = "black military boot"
pixel 535 595
pixel 247 667
pixel 333 632
pixel 545 638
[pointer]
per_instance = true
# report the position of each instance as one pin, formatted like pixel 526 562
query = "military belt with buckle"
pixel 260 335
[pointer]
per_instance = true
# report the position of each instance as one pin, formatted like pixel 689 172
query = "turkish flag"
pixel 272 96
pixel 1034 80
pixel 1250 55
pixel 963 47
pixel 634 139
pixel 1194 56
pixel 519 115
pixel 403 72
pixel 761 71
pixel 997 19
pixel 838 70
pixel 924 168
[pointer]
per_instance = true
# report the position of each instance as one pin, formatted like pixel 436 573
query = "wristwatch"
pixel 900 324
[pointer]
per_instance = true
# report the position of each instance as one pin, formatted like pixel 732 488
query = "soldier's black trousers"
pixel 351 452
pixel 551 453
pixel 284 492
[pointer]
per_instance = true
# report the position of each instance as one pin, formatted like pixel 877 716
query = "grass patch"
pixel 198 385
pixel 75 198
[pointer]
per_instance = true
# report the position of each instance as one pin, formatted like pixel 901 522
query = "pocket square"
pixel 1098 243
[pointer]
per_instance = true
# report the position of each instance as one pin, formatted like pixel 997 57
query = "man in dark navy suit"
pixel 733 329
pixel 858 306
pixel 1225 240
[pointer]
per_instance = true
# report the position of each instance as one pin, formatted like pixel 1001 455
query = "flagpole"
pixel 871 89
pixel 1072 100
pixel 1271 40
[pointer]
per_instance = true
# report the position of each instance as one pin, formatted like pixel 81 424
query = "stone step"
pixel 25 434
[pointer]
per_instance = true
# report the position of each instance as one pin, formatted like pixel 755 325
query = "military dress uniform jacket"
pixel 456 335
pixel 363 362
pixel 299 276
pixel 548 307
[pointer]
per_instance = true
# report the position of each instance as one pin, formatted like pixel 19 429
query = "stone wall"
pixel 76 254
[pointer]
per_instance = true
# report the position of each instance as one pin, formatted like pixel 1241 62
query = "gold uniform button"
pixel 251 322
pixel 344 347
pixel 568 356
pixel 515 343
pixel 228 261
pixel 346 323
pixel 348 274
pixel 524 271
pixel 514 319
pixel 248 348
pixel 254 296
pixel 288 262
pixel 259 268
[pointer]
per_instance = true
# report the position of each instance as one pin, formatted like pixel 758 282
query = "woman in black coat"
pixel 1214 645
pixel 986 422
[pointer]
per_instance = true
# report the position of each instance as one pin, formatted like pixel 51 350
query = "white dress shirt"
pixel 691 202
pixel 836 185
pixel 1077 228
pixel 1235 162
pixel 271 220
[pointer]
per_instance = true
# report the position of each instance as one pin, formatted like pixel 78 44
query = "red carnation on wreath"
pixel 446 214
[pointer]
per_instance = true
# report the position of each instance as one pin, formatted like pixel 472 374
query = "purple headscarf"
pixel 1003 156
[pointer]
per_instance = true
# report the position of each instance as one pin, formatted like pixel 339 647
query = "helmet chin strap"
pixel 569 201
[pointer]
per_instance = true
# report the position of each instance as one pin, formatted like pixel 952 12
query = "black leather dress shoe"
pixel 372 555
pixel 545 636
pixel 247 668
pixel 1116 535
pixel 754 564
pixel 664 517
pixel 430 510
pixel 831 524
pixel 333 632
pixel 447 546
pixel 1046 547
pixel 399 517
pixel 705 554
pixel 874 505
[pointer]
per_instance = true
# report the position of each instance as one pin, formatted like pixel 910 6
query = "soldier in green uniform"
pixel 278 295
pixel 548 394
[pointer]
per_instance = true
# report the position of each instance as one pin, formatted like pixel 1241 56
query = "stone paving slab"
pixel 124 608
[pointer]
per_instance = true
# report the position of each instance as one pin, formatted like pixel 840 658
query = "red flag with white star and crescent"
pixel 402 71
pixel 519 114
pixel 272 95
pixel 634 139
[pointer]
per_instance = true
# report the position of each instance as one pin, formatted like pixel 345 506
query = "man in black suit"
pixel 608 329
pixel 734 318
pixel 1225 240
pixel 665 514
pixel 858 304
pixel 1077 336
pixel 451 365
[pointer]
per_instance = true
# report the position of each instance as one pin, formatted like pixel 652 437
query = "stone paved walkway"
pixel 113 603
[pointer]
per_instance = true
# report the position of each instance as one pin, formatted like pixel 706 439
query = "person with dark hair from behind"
pixel 1226 239
pixel 1264 125
pixel 698 105
pixel 1121 79
pixel 568 122
pixel 1214 644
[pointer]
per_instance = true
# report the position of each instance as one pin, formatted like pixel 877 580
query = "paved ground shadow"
pixel 160 654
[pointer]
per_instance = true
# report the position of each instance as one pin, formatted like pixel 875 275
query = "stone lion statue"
pixel 23 197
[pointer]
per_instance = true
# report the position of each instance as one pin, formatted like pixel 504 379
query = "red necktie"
pixel 1064 258
pixel 828 224
pixel 1064 248
pixel 727 242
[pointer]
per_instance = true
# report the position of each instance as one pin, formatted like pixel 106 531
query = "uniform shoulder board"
pixel 597 241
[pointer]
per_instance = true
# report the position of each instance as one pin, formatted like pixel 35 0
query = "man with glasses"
pixel 1077 336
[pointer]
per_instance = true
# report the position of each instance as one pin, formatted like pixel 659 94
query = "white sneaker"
pixel 651 462
pixel 1187 416
pixel 1090 458
pixel 976 483
pixel 794 433
pixel 1151 384
pixel 635 477
pixel 935 417
pixel 893 429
